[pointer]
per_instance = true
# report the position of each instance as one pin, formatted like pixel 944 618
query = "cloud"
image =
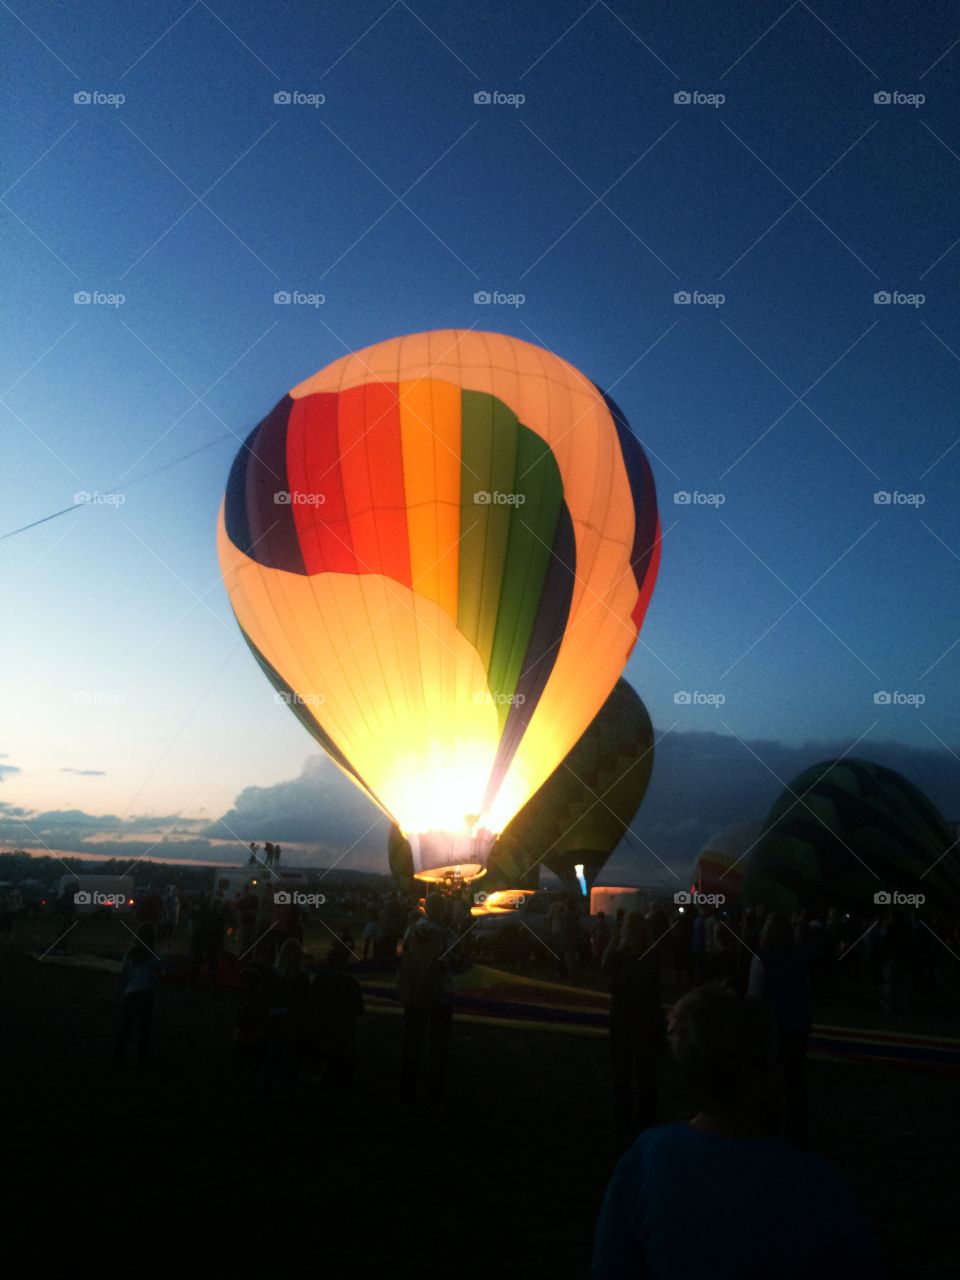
pixel 86 773
pixel 321 810
pixel 7 768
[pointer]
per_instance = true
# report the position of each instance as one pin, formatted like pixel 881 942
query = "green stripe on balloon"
pixel 511 500
pixel 533 525
pixel 488 456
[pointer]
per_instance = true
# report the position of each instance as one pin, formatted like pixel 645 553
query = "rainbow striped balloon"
pixel 440 549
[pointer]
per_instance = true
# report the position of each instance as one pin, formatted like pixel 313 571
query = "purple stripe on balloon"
pixel 642 489
pixel 258 513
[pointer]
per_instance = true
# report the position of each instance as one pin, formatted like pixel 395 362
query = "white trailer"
pixel 610 899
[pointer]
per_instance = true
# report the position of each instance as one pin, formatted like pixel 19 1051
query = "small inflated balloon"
pixel 846 830
pixel 580 814
pixel 440 549
pixel 722 862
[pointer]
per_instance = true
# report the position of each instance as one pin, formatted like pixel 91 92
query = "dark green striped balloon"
pixel 846 830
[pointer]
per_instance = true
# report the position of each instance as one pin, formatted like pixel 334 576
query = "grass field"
pixel 506 1183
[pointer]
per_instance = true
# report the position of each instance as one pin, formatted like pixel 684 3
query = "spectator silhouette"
pixel 426 992
pixel 370 930
pixel 139 979
pixel 287 1005
pixel 337 1004
pixel 637 1026
pixel 780 976
pixel 206 937
pixel 66 914
pixel 600 935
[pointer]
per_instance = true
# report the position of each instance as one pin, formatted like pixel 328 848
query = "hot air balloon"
pixel 722 862
pixel 580 813
pixel 846 830
pixel 440 549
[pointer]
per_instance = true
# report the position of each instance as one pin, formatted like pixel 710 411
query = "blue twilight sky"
pixel 598 198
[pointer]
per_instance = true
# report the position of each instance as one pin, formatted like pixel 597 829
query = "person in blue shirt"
pixel 722 1192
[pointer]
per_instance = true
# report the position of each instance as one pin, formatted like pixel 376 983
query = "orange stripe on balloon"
pixel 430 433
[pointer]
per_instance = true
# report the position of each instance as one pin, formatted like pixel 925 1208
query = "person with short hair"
pixel 780 1212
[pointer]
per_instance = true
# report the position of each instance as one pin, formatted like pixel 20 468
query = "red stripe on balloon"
pixel 649 580
pixel 316 486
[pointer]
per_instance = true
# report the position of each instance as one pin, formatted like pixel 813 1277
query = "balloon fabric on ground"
pixel 440 549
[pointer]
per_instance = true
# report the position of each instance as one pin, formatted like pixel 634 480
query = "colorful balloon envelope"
pixel 440 549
